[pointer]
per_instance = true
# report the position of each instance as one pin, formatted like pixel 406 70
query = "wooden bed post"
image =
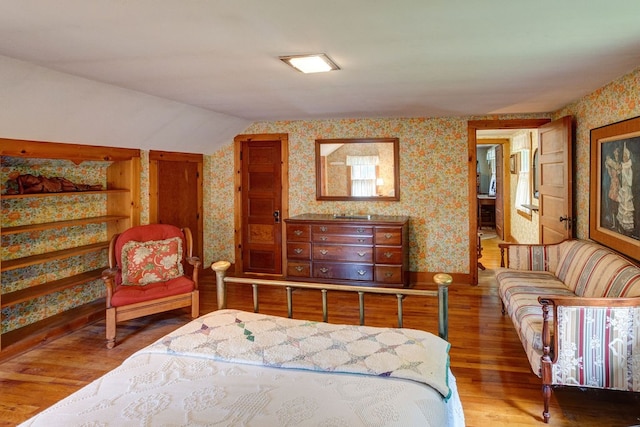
pixel 221 268
pixel 443 281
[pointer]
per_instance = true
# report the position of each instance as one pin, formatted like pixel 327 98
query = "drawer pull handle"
pixel 387 274
pixel 361 272
pixel 324 251
pixel 388 235
pixel 323 228
pixel 324 270
pixel 360 230
pixel 297 232
pixel 388 254
pixel 299 268
pixel 323 238
pixel 361 254
pixel 361 240
pixel 298 250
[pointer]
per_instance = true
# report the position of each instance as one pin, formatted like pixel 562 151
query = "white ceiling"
pixel 399 58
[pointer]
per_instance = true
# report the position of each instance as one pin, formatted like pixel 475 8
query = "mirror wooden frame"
pixel 394 194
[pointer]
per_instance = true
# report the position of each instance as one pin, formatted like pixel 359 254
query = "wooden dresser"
pixel 353 251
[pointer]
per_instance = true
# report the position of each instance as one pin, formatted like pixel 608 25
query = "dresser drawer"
pixel 388 255
pixel 328 270
pixel 388 236
pixel 298 250
pixel 298 233
pixel 343 230
pixel 299 269
pixel 342 239
pixel 389 274
pixel 343 253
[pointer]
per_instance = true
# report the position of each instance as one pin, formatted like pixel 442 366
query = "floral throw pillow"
pixel 152 261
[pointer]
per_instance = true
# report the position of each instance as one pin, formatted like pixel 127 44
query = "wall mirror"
pixel 357 169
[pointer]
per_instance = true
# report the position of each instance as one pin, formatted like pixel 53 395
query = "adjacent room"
pixel 436 224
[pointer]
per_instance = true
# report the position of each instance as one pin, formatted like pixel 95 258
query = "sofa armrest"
pixel 534 257
pixel 592 342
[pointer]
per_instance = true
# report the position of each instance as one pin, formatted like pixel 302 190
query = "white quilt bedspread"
pixel 177 381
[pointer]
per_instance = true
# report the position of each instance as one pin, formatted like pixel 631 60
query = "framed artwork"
pixel 614 204
pixel 514 163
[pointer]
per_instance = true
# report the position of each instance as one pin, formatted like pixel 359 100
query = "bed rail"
pixel 442 280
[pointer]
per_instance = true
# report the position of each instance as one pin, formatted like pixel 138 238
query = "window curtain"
pixel 523 190
pixel 363 175
pixel 491 159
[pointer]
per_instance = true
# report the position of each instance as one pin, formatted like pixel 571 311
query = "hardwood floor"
pixel 495 382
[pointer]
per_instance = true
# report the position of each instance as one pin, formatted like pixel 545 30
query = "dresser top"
pixel 350 219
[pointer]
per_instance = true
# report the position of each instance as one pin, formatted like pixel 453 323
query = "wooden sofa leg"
pixel 546 395
pixel 504 310
pixel 111 327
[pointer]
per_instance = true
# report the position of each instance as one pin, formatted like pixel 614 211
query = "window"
pixel 363 175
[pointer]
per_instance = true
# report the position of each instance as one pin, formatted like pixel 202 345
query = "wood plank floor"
pixel 495 381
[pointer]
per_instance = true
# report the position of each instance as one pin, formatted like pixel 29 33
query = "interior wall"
pixel 433 166
pixel 617 101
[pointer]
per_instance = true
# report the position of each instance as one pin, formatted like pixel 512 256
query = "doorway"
pixel 261 202
pixel 175 192
pixel 501 126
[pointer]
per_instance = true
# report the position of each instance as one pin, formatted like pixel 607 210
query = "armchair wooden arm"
pixel 109 278
pixel 195 262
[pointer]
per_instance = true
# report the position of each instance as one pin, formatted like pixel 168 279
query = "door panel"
pixel 556 181
pixel 261 207
pixel 175 183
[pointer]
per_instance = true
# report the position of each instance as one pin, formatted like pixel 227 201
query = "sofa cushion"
pixel 125 295
pixel 519 291
pixel 535 257
pixel 591 270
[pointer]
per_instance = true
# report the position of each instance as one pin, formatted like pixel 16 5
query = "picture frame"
pixel 614 202
pixel 514 163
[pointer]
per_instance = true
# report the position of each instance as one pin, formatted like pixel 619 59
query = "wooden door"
pixel 556 181
pixel 176 192
pixel 261 206
pixel 500 192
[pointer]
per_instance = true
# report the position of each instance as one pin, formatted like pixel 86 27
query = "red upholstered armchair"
pixel 151 269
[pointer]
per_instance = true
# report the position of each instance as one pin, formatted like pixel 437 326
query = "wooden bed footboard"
pixel 442 280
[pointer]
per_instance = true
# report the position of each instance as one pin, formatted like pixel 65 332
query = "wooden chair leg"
pixel 195 304
pixel 111 327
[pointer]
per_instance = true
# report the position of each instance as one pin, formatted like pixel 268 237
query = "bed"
pixel 233 367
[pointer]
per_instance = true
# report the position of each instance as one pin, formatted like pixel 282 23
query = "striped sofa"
pixel 576 308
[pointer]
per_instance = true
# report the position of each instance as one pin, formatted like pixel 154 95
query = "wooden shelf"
pixel 28 336
pixel 51 256
pixel 29 293
pixel 64 193
pixel 61 224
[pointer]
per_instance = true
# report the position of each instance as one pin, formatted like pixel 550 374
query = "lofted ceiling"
pixel 399 58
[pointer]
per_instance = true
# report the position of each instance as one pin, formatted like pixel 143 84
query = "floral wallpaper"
pixel 617 101
pixel 35 210
pixel 433 181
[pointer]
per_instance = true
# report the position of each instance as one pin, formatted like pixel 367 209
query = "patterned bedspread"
pixel 259 339
pixel 224 369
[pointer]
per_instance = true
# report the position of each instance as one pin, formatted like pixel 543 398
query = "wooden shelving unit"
pixel 122 196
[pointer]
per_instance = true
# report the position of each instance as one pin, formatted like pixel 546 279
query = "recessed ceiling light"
pixel 316 63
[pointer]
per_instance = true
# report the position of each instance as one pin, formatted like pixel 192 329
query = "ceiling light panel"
pixel 315 63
